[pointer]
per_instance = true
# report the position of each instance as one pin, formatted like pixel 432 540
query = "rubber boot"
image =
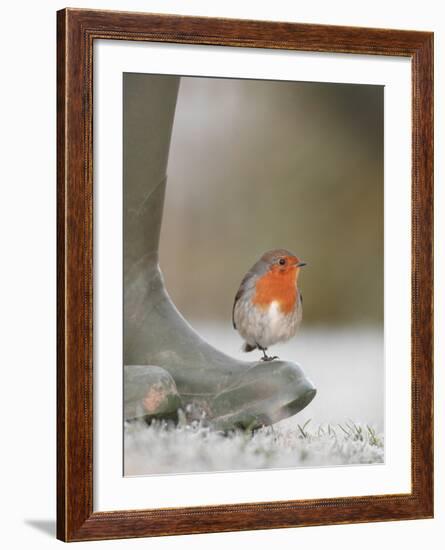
pixel 228 393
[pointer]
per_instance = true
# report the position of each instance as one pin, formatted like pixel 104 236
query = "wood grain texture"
pixel 76 32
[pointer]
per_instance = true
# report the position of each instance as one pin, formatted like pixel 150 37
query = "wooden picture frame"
pixel 76 32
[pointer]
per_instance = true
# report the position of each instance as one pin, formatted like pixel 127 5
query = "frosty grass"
pixel 163 448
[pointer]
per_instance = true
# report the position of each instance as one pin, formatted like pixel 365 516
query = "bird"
pixel 268 306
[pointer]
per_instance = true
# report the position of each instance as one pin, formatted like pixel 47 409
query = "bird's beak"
pixel 301 264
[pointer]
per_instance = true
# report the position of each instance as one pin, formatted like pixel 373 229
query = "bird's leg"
pixel 267 357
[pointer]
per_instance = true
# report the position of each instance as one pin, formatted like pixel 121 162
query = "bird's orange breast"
pixel 277 286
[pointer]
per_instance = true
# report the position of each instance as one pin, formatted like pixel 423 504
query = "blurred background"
pixel 255 165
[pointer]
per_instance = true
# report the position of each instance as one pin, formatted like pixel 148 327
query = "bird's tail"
pixel 247 347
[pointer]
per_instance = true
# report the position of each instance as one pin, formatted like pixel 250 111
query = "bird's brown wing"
pixel 246 284
pixel 237 297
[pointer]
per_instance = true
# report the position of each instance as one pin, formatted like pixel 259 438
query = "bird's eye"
pixel 281 261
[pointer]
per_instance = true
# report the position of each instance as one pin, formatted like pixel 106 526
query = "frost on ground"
pixel 162 448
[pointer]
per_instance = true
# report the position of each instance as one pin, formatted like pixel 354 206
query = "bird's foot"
pixel 267 357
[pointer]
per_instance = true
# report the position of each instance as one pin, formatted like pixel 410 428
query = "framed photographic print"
pixel 211 173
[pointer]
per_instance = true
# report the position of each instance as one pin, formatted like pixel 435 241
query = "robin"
pixel 268 306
